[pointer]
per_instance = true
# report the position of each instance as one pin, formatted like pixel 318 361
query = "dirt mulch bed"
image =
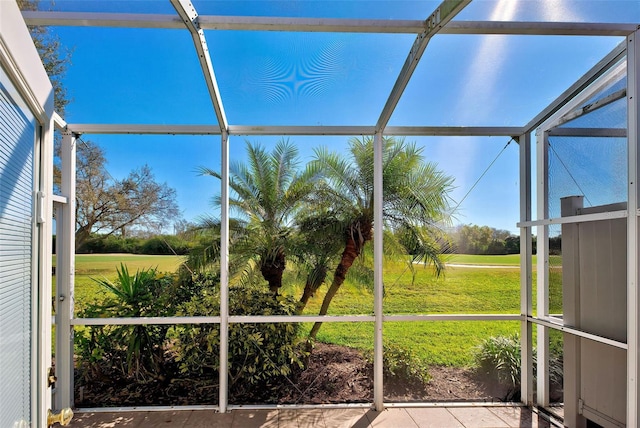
pixel 335 374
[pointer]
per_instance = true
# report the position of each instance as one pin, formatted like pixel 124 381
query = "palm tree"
pixel 267 192
pixel 316 246
pixel 416 200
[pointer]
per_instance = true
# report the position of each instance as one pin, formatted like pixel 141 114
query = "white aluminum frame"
pixel 526 275
pixel 224 275
pixel 542 266
pixel 633 228
pixel 438 22
pixel 65 273
pixel 191 20
pixel 325 25
pixel 447 10
pixel 561 111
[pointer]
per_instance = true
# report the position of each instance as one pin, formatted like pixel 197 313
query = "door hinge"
pixel 51 377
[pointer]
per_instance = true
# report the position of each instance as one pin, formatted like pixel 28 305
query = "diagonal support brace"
pixel 189 16
pixel 447 10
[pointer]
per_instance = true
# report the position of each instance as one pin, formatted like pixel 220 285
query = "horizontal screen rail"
pixel 575 219
pixel 577 332
pixel 245 319
pixel 454 317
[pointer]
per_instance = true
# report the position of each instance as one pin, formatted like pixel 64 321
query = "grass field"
pixel 470 290
pixel 461 290
pixel 100 266
pixel 474 259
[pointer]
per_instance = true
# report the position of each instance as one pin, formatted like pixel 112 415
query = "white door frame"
pixel 20 61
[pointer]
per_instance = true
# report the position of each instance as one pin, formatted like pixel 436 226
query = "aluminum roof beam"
pixel 190 18
pixel 326 25
pixel 409 131
pixel 97 19
pixel 103 129
pixel 212 22
pixel 301 130
pixel 447 10
pixel 454 131
pixel 539 28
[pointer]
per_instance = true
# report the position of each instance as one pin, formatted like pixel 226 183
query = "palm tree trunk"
pixel 350 253
pixel 314 281
pixel 272 269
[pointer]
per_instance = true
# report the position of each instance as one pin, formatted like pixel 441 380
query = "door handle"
pixel 63 418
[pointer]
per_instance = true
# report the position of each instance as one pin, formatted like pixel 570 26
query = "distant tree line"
pixel 156 245
pixel 485 240
pixel 466 239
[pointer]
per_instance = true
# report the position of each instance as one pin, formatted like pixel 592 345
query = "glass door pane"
pixel 17 134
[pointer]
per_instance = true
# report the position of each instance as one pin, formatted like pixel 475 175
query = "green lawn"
pixel 99 266
pixel 473 259
pixel 459 290
pixel 506 260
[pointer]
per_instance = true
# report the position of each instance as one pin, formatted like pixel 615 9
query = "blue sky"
pixel 146 76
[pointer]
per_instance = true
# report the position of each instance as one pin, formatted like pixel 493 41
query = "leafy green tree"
pixel 267 192
pixel 416 200
pixel 473 239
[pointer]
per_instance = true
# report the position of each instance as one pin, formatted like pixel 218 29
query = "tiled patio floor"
pixel 432 417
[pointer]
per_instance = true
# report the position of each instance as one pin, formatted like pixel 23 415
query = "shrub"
pixel 260 354
pixel 133 350
pixel 499 357
pixel 402 365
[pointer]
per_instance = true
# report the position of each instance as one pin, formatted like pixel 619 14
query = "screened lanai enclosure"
pixel 530 107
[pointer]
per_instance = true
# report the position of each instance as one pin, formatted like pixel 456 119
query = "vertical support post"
pixel 570 206
pixel 58 209
pixel 41 286
pixel 224 275
pixel 526 250
pixel 378 344
pixel 65 274
pixel 542 249
pixel 633 228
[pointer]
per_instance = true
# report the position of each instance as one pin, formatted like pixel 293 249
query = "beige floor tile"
pixel 557 411
pixel 310 418
pixel 452 417
pixel 434 417
pixel 519 417
pixel 255 419
pixel 107 420
pixel 288 418
pixel 391 418
pixel 477 417
pixel 209 419
pixel 345 418
pixel 172 419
